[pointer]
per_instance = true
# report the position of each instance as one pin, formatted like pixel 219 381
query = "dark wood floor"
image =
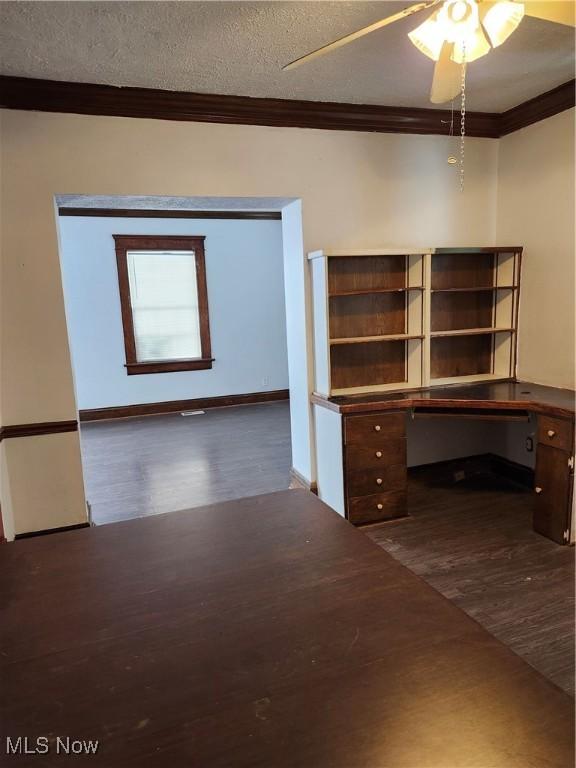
pixel 139 467
pixel 473 542
pixel 259 633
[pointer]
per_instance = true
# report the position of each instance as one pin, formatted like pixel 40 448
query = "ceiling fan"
pixel 457 33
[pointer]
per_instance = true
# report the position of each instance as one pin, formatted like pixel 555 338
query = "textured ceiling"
pixel 239 48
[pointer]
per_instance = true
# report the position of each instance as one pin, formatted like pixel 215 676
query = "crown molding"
pixel 89 99
pixel 92 99
pixel 539 108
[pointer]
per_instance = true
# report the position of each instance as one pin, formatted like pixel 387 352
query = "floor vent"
pixel 192 413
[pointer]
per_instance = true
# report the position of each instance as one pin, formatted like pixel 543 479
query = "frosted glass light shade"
pixel 458 19
pixel 501 19
pixel 428 37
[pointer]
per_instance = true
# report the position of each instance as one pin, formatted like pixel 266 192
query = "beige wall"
pixel 357 189
pixel 536 210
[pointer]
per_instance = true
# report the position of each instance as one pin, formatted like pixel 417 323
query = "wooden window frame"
pixel 125 243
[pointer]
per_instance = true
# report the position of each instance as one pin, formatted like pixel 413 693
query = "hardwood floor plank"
pixel 473 542
pixel 260 633
pixel 157 464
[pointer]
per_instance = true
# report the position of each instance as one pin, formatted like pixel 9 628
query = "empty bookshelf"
pixel 388 320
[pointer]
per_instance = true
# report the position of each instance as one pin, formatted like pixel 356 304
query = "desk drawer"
pixel 377 507
pixel 373 429
pixel 364 482
pixel 556 432
pixel 383 453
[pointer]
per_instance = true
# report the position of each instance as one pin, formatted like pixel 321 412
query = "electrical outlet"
pixel 266 381
pixel 529 444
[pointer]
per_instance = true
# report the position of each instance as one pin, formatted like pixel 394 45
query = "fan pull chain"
pixel 462 116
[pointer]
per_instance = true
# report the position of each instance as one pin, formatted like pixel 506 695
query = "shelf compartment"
pixel 368 364
pixel 366 273
pixel 462 270
pixel 372 339
pixel 470 332
pixel 372 314
pixel 463 309
pixel 457 355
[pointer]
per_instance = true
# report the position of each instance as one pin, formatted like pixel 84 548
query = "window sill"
pixel 169 366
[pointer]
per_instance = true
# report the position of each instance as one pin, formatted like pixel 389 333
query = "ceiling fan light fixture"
pixel 473 47
pixel 501 19
pixel 428 37
pixel 458 19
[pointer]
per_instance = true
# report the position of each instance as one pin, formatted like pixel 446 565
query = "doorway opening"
pixel 176 315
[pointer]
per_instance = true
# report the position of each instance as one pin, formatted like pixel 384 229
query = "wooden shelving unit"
pixel 473 314
pixel 389 320
pixel 369 320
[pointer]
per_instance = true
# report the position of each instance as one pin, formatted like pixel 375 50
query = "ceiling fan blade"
pixel 447 76
pixel 559 11
pixel 361 32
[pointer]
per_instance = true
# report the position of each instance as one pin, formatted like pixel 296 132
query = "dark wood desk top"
pixel 509 395
pixel 261 632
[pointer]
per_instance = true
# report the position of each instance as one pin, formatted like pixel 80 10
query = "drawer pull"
pixel 379 506
pixel 378 454
pixel 551 433
pixel 377 428
pixel 379 481
pixel 538 489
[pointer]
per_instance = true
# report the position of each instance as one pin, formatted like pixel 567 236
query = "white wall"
pixel 244 274
pixel 536 210
pixel 300 348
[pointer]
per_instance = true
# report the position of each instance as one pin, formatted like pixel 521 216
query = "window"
pixel 164 303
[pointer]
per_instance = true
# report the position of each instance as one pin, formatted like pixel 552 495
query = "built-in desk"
pixel 361 446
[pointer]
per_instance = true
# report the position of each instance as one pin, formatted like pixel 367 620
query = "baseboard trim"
pixel 38 428
pixel 518 473
pixel 48 531
pixel 175 406
pixel 481 463
pixel 299 481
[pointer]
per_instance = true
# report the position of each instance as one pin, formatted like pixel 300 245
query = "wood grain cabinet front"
pixel 377 507
pixel 375 461
pixel 374 429
pixel 364 482
pixel 558 433
pixel 384 453
pixel 553 483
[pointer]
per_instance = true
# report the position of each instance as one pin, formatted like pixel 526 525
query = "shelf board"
pixel 368 291
pixel 398 386
pixel 472 379
pixel 470 332
pixel 388 337
pixel 476 288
